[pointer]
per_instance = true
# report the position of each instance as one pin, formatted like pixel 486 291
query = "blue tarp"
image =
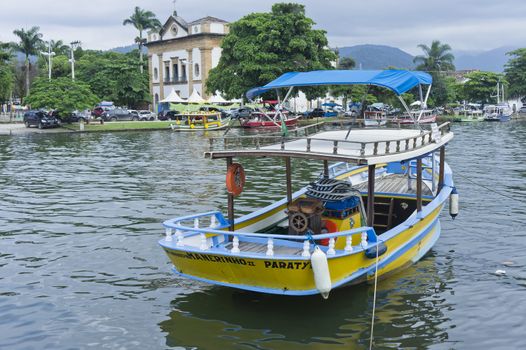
pixel 399 81
pixel 330 104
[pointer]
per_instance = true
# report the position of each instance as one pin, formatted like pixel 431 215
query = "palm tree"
pixel 59 47
pixel 142 20
pixel 436 58
pixel 30 44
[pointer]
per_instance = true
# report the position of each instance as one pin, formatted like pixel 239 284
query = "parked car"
pixel 314 113
pixel 40 119
pixel 242 112
pixel 213 109
pixel 146 115
pixel 168 115
pixel 134 112
pixel 73 117
pixel 118 114
pixel 522 109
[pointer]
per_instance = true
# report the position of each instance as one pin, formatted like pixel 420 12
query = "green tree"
pixel 114 76
pixel 262 46
pixel 515 71
pixel 345 91
pixel 61 67
pixel 30 44
pixel 482 86
pixel 142 20
pixel 6 72
pixel 63 94
pixel 436 59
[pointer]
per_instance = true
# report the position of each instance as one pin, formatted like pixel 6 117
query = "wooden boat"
pixel 199 121
pixel 373 211
pixel 268 120
pixel 374 118
pixel 470 112
pixel 419 117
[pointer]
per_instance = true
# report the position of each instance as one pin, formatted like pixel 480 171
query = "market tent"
pixel 398 81
pixel 173 97
pixel 217 99
pixel 195 97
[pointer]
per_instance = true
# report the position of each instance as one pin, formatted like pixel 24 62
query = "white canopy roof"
pixel 364 146
pixel 195 97
pixel 217 98
pixel 173 97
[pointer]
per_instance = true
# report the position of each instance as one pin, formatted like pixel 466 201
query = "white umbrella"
pixel 217 99
pixel 173 97
pixel 195 97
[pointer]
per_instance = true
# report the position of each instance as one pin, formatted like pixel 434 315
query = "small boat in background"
pixel 498 113
pixel 470 112
pixel 501 112
pixel 199 121
pixel 374 117
pixel 426 116
pixel 267 120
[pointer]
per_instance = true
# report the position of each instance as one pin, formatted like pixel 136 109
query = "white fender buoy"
pixel 322 275
pixel 453 203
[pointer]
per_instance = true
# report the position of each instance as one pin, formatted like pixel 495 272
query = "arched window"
pixel 196 70
pixel 155 73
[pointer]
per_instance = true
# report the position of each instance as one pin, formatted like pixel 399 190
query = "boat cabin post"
pixel 289 182
pixel 326 169
pixel 441 168
pixel 230 199
pixel 370 195
pixel 418 186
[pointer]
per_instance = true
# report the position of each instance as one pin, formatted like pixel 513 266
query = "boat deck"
pixel 261 248
pixel 395 183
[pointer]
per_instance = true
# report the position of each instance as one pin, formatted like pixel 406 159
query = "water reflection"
pixel 409 314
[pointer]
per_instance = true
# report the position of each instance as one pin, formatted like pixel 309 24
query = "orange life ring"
pixel 330 227
pixel 235 179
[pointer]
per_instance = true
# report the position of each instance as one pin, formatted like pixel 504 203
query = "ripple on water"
pixel 80 267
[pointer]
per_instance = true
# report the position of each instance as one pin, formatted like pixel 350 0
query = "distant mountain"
pixel 126 49
pixel 492 60
pixel 377 56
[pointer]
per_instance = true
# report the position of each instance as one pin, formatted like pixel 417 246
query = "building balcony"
pixel 180 80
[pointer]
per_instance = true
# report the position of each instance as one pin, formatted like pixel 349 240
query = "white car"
pixel 146 115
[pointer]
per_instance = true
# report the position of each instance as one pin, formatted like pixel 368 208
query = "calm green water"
pixel 80 266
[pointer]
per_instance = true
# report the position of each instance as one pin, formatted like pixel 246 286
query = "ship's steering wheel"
pixel 299 222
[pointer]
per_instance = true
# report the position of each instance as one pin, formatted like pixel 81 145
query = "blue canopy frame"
pixel 398 81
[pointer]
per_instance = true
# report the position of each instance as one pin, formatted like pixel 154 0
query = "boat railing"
pixel 374 148
pixel 263 139
pixel 212 226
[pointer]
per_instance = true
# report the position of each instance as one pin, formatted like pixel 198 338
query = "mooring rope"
pixel 491 189
pixel 374 295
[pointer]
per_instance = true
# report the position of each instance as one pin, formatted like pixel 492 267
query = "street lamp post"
pixel 73 46
pixel 49 55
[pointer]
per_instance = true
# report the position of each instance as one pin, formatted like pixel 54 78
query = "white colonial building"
pixel 181 54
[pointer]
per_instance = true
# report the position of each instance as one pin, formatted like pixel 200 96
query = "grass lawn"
pixel 122 126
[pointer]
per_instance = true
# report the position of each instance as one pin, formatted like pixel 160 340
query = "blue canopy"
pixel 399 81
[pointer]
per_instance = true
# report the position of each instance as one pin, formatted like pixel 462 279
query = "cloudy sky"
pixel 464 24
